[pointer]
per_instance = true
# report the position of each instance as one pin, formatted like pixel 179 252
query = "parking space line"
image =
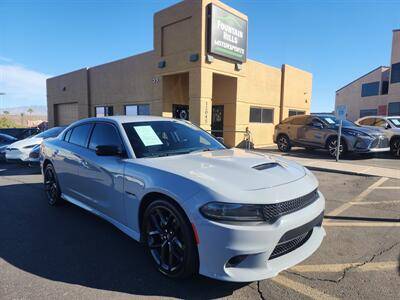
pixel 361 224
pixel 359 198
pixel 375 202
pixel 301 288
pixel 388 188
pixel 336 268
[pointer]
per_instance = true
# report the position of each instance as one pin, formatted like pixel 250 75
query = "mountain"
pixel 38 110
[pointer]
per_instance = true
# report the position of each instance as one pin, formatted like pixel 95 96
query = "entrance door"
pixel 180 111
pixel 217 120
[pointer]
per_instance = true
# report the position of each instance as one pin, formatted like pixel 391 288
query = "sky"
pixel 337 41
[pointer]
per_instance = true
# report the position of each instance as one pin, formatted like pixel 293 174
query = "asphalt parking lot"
pixel 48 252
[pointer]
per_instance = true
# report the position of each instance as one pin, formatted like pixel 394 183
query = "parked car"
pixel 34 156
pixel 391 126
pixel 197 206
pixel 19 150
pixel 321 132
pixel 5 140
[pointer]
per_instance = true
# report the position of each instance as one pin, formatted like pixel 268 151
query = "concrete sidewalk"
pixel 345 166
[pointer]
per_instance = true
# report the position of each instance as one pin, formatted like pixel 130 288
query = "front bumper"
pixel 220 242
pixel 374 145
pixel 17 155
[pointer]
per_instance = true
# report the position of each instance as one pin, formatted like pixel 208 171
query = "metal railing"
pixel 247 141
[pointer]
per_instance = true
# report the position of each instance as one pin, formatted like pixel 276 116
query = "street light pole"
pixel 2 94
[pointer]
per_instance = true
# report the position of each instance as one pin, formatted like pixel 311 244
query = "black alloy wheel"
pixel 284 143
pixel 169 240
pixel 51 186
pixel 395 147
pixel 332 147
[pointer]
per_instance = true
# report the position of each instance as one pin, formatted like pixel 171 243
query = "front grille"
pixel 289 246
pixel 382 142
pixel 273 212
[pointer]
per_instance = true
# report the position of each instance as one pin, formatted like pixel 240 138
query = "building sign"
pixel 227 34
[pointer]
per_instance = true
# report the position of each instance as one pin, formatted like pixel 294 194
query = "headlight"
pixel 355 132
pixel 29 146
pixel 232 212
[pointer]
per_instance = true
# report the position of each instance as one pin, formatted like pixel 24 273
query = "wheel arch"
pixel 148 198
pixel 334 136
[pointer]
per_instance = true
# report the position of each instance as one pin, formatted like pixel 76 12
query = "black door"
pixel 217 120
pixel 180 111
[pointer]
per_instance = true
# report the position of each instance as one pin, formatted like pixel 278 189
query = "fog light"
pixel 234 261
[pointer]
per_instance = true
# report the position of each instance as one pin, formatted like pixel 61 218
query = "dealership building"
pixel 377 92
pixel 198 70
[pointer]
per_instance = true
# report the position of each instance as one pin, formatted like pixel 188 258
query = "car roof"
pixel 382 117
pixel 127 119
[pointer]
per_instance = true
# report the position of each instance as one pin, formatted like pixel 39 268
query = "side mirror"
pixel 220 139
pixel 317 125
pixel 387 126
pixel 108 150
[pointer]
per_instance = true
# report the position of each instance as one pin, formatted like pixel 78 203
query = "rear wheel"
pixel 332 147
pixel 51 186
pixel 395 146
pixel 169 239
pixel 284 143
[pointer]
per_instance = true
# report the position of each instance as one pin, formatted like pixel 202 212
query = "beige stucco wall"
pixel 68 88
pixel 180 31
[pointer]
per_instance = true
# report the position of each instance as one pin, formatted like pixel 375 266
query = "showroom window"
pixel 261 115
pixel 370 89
pixel 395 73
pixel 385 87
pixel 368 112
pixel 104 111
pixel 294 112
pixel 394 109
pixel 137 110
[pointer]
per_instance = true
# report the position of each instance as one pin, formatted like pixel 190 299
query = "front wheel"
pixel 169 239
pixel 395 147
pixel 332 147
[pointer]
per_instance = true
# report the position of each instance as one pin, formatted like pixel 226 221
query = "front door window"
pixel 217 120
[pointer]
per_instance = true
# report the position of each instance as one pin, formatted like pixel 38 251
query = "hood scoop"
pixel 266 166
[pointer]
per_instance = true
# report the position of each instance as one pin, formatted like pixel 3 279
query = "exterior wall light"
pixel 162 64
pixel 238 66
pixel 194 57
pixel 209 58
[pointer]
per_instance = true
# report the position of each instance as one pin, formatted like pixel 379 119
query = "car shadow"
pixel 11 169
pixel 70 245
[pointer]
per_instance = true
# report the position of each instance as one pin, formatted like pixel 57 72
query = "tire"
pixel 169 239
pixel 395 146
pixel 331 146
pixel 52 188
pixel 283 143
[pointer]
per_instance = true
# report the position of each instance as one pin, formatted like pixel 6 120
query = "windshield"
pixel 395 122
pixel 332 121
pixel 53 132
pixel 164 138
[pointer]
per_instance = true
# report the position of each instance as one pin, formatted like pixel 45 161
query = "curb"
pixel 340 171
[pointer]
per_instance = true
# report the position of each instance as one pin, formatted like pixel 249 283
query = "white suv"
pixel 391 125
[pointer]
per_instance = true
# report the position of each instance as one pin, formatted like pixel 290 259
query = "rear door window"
pixel 368 122
pixel 80 134
pixel 301 120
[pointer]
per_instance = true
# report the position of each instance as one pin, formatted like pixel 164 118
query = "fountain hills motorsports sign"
pixel 227 34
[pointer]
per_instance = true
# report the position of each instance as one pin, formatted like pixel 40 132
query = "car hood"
pixel 229 169
pixel 26 142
